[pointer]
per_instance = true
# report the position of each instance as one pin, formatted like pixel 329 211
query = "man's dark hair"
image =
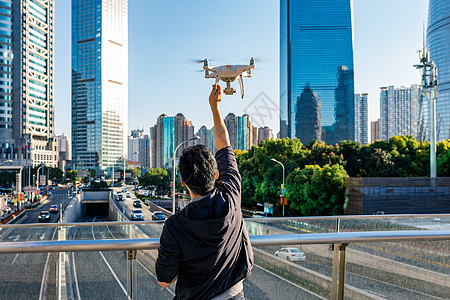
pixel 198 168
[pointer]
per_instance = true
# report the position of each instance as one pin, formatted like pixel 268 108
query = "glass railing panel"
pixel 291 272
pixel 385 223
pixel 405 270
pixel 261 226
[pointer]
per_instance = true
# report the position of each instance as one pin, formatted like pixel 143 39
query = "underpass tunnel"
pixel 94 209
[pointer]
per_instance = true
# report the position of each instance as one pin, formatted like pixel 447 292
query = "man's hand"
pixel 216 96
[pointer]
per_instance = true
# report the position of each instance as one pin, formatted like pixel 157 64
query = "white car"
pixel 291 254
pixel 137 214
pixel 128 195
pixel 146 194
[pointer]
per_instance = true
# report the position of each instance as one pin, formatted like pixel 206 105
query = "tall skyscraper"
pixel 361 118
pixel 316 70
pixel 99 82
pixel 26 94
pixel 139 148
pixel 438 41
pixel 374 131
pixel 399 111
pixel 64 151
pixel 167 134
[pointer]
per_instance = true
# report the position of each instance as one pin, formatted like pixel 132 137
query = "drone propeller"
pixel 194 61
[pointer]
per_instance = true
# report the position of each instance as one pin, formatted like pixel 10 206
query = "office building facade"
pixel 399 111
pixel 361 118
pixel 316 70
pixel 99 83
pixel 438 41
pixel 26 82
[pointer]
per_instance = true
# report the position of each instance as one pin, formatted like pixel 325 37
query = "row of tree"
pixel 316 173
pixel 8 178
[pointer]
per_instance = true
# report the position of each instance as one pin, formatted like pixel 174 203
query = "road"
pixel 31 276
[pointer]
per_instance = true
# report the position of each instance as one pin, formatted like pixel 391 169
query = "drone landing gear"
pixel 229 90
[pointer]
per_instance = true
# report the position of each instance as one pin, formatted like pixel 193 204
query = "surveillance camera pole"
pixel 429 90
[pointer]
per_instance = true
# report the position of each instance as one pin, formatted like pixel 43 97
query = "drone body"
pixel 228 74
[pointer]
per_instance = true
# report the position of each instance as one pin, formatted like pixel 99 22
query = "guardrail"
pixel 340 241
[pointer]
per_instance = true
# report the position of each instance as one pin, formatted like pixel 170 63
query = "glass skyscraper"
pixel 99 82
pixel 316 70
pixel 438 41
pixel 26 82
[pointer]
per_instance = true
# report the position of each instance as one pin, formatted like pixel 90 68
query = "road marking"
pixel 15 237
pixel 75 270
pixel 284 279
pixel 44 274
pixel 108 265
pixel 15 257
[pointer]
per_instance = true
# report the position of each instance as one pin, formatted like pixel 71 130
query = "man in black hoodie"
pixel 205 247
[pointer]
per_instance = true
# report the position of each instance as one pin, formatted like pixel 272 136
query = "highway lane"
pixel 31 276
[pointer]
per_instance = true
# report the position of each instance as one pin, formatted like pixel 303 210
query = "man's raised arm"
pixel 220 131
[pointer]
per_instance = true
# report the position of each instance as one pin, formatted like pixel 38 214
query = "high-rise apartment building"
pixel 99 82
pixel 240 131
pixel 167 134
pixel 438 40
pixel 316 70
pixel 264 133
pixel 207 138
pixel 26 82
pixel 139 148
pixel 374 131
pixel 399 111
pixel 361 118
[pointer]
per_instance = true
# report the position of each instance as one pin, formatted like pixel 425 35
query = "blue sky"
pixel 164 34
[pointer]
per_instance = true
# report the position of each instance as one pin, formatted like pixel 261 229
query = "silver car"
pixel 291 254
pixel 137 214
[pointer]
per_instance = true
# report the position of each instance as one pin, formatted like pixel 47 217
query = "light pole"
pixel 37 176
pixel 173 170
pixel 282 186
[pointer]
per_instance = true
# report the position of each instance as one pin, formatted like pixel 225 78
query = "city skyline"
pixel 375 65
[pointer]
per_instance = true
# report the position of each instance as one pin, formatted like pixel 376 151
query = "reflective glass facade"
pixel 26 82
pixel 316 70
pixel 99 82
pixel 6 66
pixel 438 42
pixel 168 141
pixel 361 118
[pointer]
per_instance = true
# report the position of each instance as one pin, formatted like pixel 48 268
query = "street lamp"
pixel 173 167
pixel 6 162
pixel 282 187
pixel 37 175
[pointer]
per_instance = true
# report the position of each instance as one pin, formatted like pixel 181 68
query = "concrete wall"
pixel 74 210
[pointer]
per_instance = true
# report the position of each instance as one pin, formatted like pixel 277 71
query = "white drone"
pixel 228 74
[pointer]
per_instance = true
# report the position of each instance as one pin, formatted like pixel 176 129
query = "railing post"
pixel 131 274
pixel 335 273
pixel 338 274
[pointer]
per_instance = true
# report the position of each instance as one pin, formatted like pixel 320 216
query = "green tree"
pixel 317 191
pixel 56 174
pixel 73 175
pixel 157 178
pixel 443 158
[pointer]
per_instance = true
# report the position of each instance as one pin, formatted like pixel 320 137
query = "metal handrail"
pixel 245 219
pixel 260 240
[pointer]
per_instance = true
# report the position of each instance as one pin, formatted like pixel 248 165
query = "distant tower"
pixel 308 117
pixel 399 111
pixel 99 83
pixel 438 41
pixel 316 39
pixel 361 118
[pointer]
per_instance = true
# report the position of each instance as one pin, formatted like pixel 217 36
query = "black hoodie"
pixel 206 244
